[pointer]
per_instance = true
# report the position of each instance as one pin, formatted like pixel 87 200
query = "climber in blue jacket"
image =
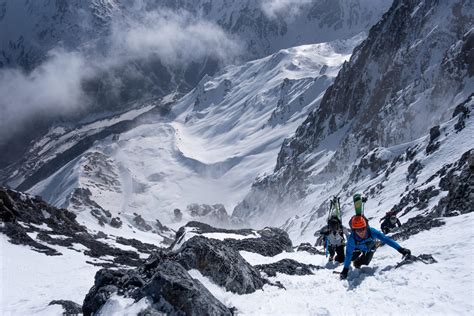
pixel 361 244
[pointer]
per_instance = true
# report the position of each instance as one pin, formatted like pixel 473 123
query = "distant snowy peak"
pixel 267 26
pixel 263 27
pixel 49 24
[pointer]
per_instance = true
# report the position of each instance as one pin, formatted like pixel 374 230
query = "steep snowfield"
pixel 218 139
pixel 30 280
pixel 445 287
pixel 441 288
pixel 386 187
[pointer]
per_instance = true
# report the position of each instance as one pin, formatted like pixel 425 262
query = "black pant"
pixel 339 250
pixel 386 227
pixel 359 258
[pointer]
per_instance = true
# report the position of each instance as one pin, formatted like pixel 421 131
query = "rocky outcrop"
pixel 70 308
pixel 272 241
pixel 24 216
pixel 459 182
pixel 223 264
pixel 287 266
pixel 168 286
pixel 215 214
pixel 417 224
pixel 269 241
pixel 308 248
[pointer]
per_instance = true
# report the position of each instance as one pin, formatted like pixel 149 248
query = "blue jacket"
pixel 366 244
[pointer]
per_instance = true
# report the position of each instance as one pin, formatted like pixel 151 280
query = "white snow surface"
pixel 443 288
pixel 30 280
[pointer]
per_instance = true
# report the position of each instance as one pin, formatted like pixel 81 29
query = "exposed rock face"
pixel 269 241
pixel 415 225
pixel 215 214
pixel 23 214
pixel 168 286
pixel 287 266
pixel 459 182
pixel 224 265
pixel 308 248
pixel 272 242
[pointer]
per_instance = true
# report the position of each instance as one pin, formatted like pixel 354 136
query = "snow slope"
pixel 442 288
pixel 215 141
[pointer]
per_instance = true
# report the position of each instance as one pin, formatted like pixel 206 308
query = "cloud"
pixel 56 85
pixel 288 9
pixel 177 39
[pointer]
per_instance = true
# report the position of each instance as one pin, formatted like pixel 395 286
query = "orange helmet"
pixel 358 222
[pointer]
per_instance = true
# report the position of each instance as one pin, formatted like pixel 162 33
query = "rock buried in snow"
pixel 308 248
pixel 287 266
pixel 167 285
pixel 70 308
pixel 223 264
pixel 425 258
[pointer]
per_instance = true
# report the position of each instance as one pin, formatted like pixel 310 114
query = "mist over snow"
pixel 176 38
pixel 56 86
pixel 289 9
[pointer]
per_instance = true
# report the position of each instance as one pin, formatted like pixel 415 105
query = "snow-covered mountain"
pixel 265 26
pixel 76 59
pixel 266 142
pixel 206 149
pixel 408 76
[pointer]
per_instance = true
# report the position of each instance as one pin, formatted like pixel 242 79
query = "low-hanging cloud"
pixel 56 85
pixel 177 39
pixel 288 9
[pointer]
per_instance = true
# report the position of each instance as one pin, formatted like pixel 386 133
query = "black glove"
pixel 343 274
pixel 404 251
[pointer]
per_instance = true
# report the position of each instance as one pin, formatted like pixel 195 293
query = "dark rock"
pixel 462 111
pixel 415 225
pixel 308 248
pixel 459 182
pixel 70 308
pixel 166 283
pixel 214 213
pixel 272 242
pixel 26 214
pixel 223 264
pixel 116 222
pixel 432 147
pixel 287 266
pixel 413 170
pixel 140 223
pixel 410 153
pixel 434 133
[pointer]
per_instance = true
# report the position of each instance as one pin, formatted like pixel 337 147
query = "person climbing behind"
pixel 389 221
pixel 361 244
pixel 332 238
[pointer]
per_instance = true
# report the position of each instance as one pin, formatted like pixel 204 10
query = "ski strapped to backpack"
pixel 335 208
pixel 359 202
